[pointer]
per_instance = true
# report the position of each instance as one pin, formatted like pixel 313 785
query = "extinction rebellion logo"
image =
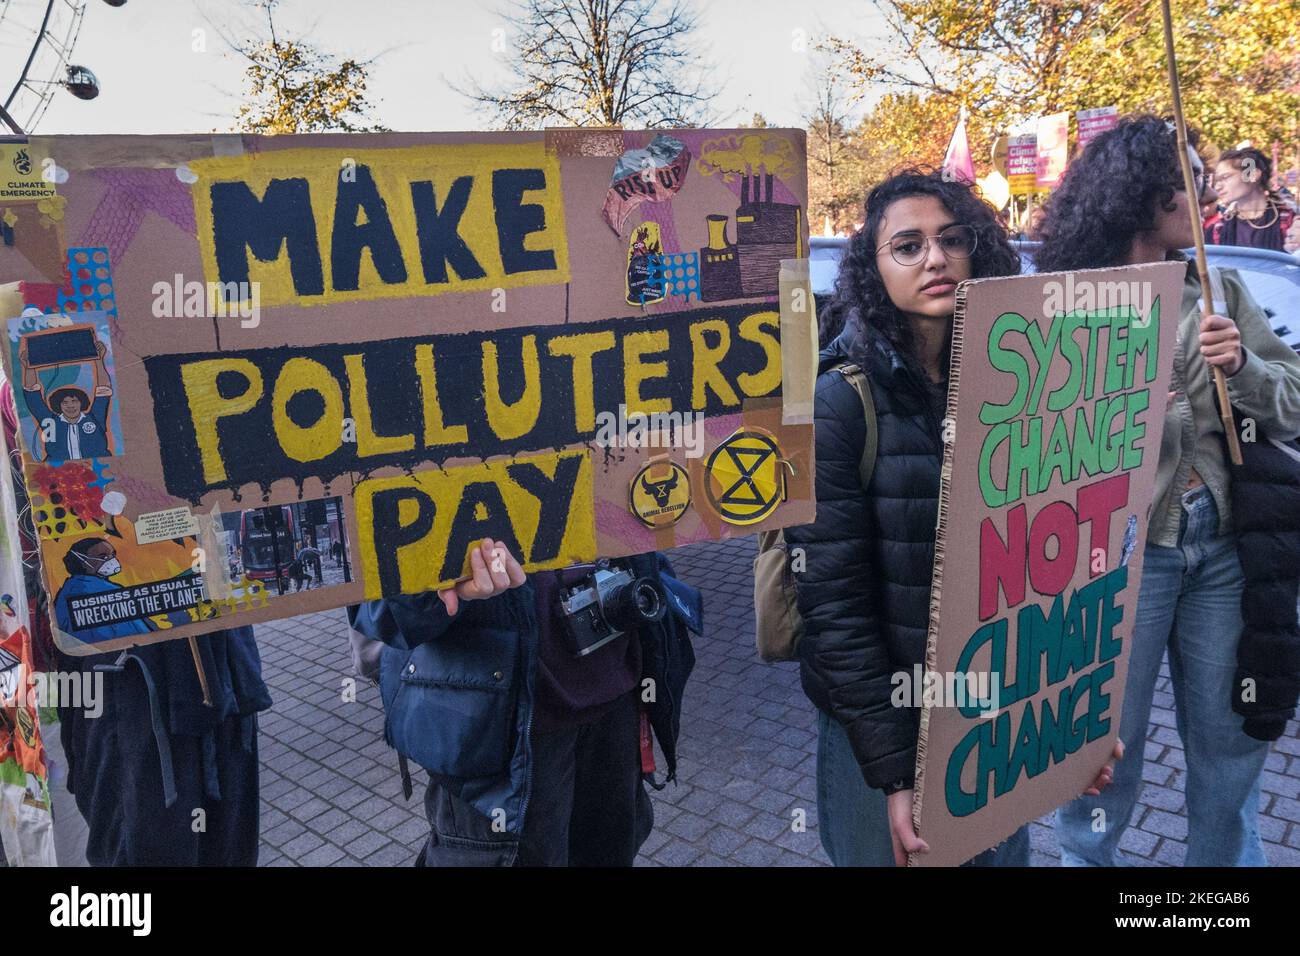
pixel 745 477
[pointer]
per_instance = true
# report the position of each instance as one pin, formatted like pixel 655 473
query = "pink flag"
pixel 957 162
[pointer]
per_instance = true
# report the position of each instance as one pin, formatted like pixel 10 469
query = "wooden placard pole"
pixel 1198 235
pixel 198 667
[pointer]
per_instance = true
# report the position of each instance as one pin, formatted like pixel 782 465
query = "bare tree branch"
pixel 599 62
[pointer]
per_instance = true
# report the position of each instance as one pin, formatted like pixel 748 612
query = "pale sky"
pixel 154 81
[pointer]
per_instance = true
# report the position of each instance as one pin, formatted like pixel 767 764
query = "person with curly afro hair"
pixel 864 590
pixel 1123 202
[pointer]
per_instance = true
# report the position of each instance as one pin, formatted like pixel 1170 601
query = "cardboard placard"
pixel 1053 149
pixel 333 362
pixel 1094 122
pixel 1055 415
pixel 1022 163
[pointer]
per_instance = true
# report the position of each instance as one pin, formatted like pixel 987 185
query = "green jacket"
pixel 1266 388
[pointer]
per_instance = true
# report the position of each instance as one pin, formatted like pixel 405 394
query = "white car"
pixel 1272 277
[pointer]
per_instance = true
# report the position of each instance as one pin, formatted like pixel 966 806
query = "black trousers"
pixel 588 807
pixel 117 778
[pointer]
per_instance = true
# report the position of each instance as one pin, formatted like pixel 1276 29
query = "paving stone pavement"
pixel 746 794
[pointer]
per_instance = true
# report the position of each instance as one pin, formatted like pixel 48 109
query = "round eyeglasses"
pixel 957 242
pixel 1199 182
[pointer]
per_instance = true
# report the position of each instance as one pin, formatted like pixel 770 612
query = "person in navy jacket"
pixel 91 564
pixel 535 757
pixel 80 422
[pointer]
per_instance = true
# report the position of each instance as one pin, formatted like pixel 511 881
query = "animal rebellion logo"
pixel 660 494
pixel 745 477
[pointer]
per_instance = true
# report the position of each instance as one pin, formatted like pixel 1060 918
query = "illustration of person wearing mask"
pixel 91 563
pixel 80 423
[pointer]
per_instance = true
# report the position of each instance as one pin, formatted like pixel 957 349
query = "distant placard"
pixel 1094 122
pixel 1022 164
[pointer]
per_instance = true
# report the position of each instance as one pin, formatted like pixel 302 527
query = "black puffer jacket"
pixel 1266 519
pixel 864 594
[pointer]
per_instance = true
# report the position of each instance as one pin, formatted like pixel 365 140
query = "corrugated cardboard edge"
pixel 798 343
pixel 940 533
pixel 101 151
pixel 585 141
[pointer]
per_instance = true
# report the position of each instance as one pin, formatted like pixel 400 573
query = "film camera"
pixel 610 602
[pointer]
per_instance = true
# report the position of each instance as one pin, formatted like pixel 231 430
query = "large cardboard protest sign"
pixel 1055 415
pixel 260 376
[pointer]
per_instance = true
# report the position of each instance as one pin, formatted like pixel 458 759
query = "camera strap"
pixel 647 744
pixel 404 769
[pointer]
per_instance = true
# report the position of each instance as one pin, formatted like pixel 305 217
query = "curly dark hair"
pixel 1109 194
pixel 860 300
pixel 59 394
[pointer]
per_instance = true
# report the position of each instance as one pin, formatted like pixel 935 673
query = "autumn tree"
pixel 599 63
pixel 1011 60
pixel 834 180
pixel 903 129
pixel 292 86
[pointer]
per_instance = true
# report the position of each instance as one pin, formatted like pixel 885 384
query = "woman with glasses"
pixel 864 591
pixel 1253 215
pixel 1123 202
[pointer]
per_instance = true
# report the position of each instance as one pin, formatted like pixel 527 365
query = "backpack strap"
pixel 856 377
pixel 1220 304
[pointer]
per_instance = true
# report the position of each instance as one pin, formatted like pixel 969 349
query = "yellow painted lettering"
pixel 512 419
pixel 636 370
pixel 705 359
pixel 755 328
pixel 207 406
pixel 581 348
pixel 318 440
pixel 436 431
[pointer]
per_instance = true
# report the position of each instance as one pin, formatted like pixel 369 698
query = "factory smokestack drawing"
pixel 719 265
pixel 766 232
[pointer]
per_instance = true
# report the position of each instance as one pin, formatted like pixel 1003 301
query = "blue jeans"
pixel 1189 602
pixel 853 819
